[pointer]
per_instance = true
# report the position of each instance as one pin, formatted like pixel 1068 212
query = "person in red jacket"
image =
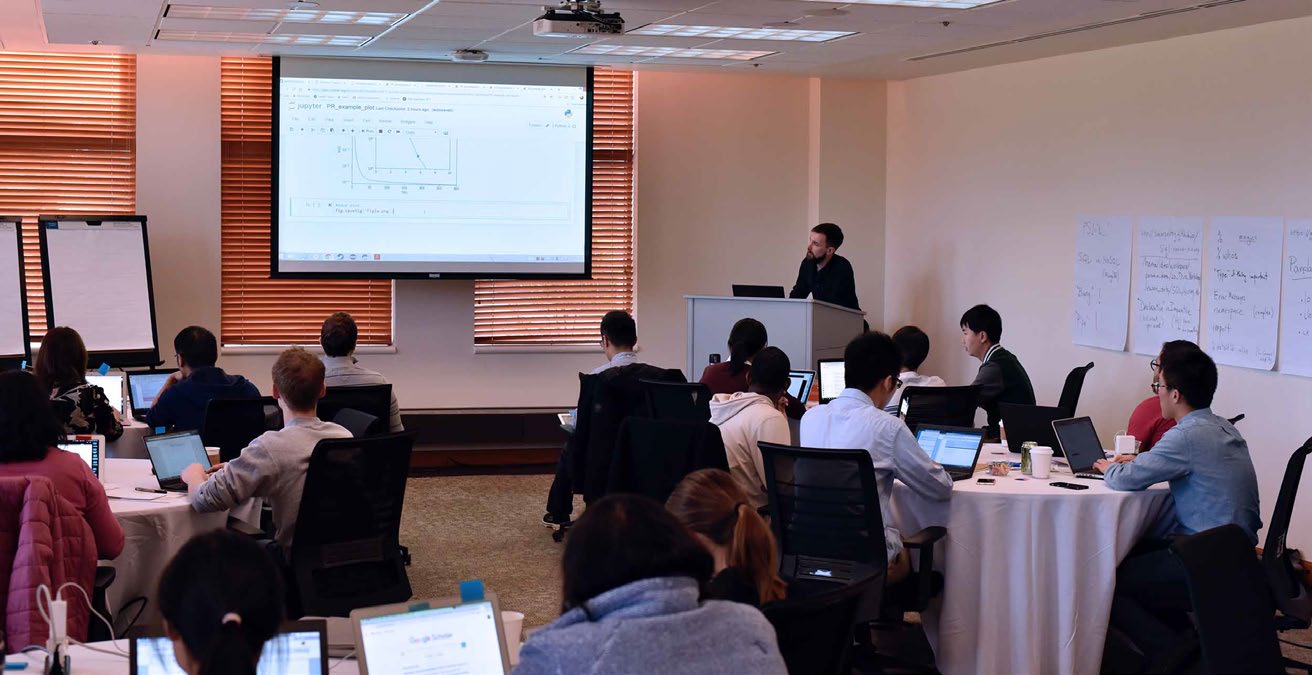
pixel 746 339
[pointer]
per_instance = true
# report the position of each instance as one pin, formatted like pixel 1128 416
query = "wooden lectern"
pixel 807 330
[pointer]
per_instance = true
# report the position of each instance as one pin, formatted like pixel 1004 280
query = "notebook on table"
pixel 299 648
pixel 956 449
pixel 171 453
pixel 444 635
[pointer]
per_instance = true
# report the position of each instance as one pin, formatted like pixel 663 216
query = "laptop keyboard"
pixel 1088 474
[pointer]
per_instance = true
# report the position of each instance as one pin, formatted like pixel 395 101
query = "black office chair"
pixel 815 632
pixel 1070 392
pixel 687 401
pixel 1283 571
pixel 824 510
pixel 1236 419
pixel 231 424
pixel 1232 605
pixel 652 456
pixel 97 631
pixel 371 399
pixel 360 424
pixel 345 552
pixel 947 406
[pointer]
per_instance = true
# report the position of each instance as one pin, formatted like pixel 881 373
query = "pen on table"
pixel 158 492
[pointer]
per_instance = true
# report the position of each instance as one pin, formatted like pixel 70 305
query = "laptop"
pixel 171 453
pixel 955 448
pixel 444 636
pixel 1031 423
pixel 1079 441
pixel 832 381
pixel 299 648
pixel 89 447
pixel 113 386
pixel 750 291
pixel 799 383
pixel 143 388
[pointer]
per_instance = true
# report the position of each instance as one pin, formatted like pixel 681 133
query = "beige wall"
pixel 723 197
pixel 989 169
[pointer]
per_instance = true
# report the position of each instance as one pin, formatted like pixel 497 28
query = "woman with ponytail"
pixel 746 338
pixel 221 597
pixel 710 504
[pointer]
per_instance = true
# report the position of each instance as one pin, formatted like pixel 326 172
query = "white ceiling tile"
pixel 210 25
pixel 84 28
pixel 119 8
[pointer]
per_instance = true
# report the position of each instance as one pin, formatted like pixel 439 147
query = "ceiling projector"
pixel 577 19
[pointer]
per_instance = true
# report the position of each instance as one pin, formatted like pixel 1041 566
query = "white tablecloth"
pixel 154 531
pixel 88 662
pixel 132 444
pixel 1029 570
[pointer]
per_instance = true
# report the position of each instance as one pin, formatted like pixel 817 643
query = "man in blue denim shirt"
pixel 1212 483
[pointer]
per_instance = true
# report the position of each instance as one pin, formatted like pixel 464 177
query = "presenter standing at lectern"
pixel 825 275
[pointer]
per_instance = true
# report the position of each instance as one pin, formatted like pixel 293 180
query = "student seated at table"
pixel 29 435
pixel 61 368
pixel 338 337
pixel 746 339
pixel 182 400
pixel 221 599
pixel 1001 378
pixel 749 417
pixel 633 579
pixel 913 344
pixel 1212 481
pixel 856 420
pixel 274 465
pixel 712 505
pixel 1146 422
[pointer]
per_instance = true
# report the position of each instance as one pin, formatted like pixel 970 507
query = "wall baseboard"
pixel 484 437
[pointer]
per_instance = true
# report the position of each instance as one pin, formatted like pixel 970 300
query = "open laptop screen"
pixel 799 383
pixel 1079 440
pixel 144 388
pixel 295 652
pixel 950 447
pixel 832 382
pixel 113 386
pixel 171 453
pixel 89 450
pixel 458 639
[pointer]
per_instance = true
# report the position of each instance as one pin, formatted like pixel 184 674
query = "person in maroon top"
pixel 747 338
pixel 29 433
pixel 1147 424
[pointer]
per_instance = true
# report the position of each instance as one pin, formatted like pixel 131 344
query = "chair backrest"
pixel 1282 573
pixel 345 552
pixel 360 424
pixel 1231 603
pixel 616 395
pixel 372 399
pixel 1070 392
pixel 815 632
pixel 687 401
pixel 1236 419
pixel 232 423
pixel 652 456
pixel 824 510
pixel 947 406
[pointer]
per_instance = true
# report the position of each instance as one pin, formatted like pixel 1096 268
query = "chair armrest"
pixel 244 528
pixel 105 575
pixel 925 537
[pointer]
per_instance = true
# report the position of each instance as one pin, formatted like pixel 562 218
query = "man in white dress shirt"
pixel 856 420
pixel 913 344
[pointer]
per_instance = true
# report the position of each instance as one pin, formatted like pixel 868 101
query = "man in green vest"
pixel 1001 378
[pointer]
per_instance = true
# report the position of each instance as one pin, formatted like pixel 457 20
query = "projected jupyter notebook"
pixel 436 636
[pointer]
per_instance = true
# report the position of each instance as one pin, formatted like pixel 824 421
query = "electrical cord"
pixel 343 659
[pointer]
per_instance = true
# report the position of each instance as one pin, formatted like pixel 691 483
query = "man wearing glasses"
pixel 1212 481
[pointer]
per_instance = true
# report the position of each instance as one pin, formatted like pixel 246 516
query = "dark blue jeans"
pixel 1151 603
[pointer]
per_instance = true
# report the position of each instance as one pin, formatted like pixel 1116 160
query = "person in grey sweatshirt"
pixel 633 576
pixel 750 417
pixel 274 465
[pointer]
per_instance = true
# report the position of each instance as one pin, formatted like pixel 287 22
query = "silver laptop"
pixel 832 378
pixel 113 386
pixel 442 636
pixel 956 449
pixel 143 389
pixel 299 648
pixel 89 447
pixel 799 383
pixel 171 453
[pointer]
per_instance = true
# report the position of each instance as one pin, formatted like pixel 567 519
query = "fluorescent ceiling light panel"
pixel 671 52
pixel 291 15
pixel 937 4
pixel 740 33
pixel 263 38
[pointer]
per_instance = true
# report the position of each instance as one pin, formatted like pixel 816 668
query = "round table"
pixel 154 531
pixel 132 444
pixel 1029 569
pixel 97 662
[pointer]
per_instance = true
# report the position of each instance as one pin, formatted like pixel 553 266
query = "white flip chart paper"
pixel 1296 301
pixel 1168 281
pixel 11 292
pixel 98 284
pixel 1243 291
pixel 1103 249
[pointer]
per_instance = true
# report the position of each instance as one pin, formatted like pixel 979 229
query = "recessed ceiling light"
pixel 937 4
pixel 289 15
pixel 262 38
pixel 740 33
pixel 671 52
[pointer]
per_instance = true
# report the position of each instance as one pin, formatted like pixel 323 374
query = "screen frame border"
pixel 276 273
pixel 8 361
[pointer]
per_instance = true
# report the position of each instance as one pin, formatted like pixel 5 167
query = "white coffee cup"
pixel 1040 461
pixel 513 622
pixel 1125 445
pixel 213 452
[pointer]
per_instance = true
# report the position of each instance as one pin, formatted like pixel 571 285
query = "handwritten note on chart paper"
pixel 1103 252
pixel 1243 291
pixel 1296 312
pixel 1168 282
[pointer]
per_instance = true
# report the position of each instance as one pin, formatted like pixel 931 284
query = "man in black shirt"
pixel 825 275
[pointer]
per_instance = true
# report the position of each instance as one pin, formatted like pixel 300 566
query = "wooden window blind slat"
pixel 568 312
pixel 68 144
pixel 257 310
